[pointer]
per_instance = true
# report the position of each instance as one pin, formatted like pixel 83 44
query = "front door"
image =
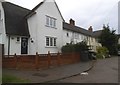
pixel 24 45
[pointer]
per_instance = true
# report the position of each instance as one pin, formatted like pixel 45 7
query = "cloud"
pixel 91 12
pixel 84 12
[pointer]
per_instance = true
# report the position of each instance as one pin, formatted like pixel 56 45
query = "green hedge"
pixel 79 47
pixel 102 51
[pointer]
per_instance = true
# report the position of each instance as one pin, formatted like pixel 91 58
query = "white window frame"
pixel 82 37
pixel 76 35
pixel 51 41
pixel 50 22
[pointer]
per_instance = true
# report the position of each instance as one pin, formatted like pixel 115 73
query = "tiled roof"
pixel 96 34
pixel 15 23
pixel 67 26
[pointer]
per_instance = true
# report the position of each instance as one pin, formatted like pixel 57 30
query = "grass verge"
pixel 6 78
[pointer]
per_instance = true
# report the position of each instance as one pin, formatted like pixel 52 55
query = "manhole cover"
pixel 40 75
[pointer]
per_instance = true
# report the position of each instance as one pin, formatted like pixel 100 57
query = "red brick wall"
pixel 40 61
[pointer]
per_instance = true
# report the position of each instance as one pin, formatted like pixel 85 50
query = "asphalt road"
pixel 104 71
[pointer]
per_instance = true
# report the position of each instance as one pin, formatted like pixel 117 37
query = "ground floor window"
pixel 51 41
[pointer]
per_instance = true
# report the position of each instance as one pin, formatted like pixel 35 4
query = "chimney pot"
pixel 72 22
pixel 90 28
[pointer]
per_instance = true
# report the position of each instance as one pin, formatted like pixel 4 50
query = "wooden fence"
pixel 39 61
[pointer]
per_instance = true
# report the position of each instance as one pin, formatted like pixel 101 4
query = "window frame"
pixel 50 22
pixel 76 35
pixel 67 34
pixel 52 41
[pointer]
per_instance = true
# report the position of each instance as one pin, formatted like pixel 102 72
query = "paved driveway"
pixel 50 74
pixel 104 71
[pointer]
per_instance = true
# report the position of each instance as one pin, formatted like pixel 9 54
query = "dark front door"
pixel 24 45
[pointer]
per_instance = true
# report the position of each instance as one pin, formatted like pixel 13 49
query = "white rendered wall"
pixel 39 30
pixel 90 40
pixel 71 37
pixel 15 46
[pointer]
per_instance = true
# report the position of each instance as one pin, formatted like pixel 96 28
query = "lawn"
pixel 7 78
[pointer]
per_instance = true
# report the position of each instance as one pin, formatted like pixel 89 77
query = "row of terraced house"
pixel 42 29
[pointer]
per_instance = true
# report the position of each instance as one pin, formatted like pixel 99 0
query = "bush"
pixel 79 47
pixel 67 48
pixel 102 52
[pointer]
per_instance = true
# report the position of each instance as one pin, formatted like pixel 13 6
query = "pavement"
pixel 51 74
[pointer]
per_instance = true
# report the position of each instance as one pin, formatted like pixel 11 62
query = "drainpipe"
pixel 8 45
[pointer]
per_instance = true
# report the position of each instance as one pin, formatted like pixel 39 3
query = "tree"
pixel 109 39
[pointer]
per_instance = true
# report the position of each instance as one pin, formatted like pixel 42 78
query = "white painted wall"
pixel 39 30
pixel 91 41
pixel 15 46
pixel 71 37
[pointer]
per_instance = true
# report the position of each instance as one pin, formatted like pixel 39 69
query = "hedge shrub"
pixel 102 52
pixel 79 47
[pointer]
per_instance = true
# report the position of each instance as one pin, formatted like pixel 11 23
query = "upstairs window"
pixel 67 34
pixel 18 39
pixel 76 36
pixel 50 22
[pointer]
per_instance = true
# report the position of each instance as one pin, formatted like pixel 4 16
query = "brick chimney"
pixel 72 22
pixel 90 29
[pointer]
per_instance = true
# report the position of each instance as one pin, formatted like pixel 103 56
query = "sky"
pixel 85 12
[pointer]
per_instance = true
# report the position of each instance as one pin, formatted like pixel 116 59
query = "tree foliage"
pixel 109 39
pixel 102 51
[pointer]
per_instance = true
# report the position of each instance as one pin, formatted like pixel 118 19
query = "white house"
pixel 45 27
pixel 41 29
pixel 74 34
pixel 13 28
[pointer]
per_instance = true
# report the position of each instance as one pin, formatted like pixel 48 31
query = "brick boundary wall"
pixel 39 61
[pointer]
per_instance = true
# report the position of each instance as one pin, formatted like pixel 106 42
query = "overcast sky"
pixel 85 12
